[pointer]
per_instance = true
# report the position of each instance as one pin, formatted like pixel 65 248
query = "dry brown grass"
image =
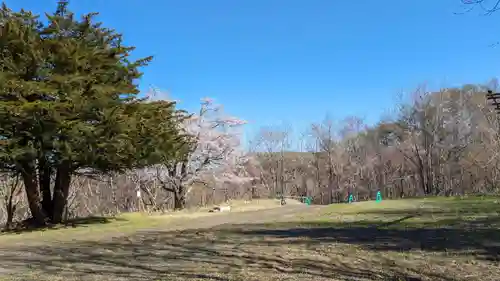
pixel 96 228
pixel 396 240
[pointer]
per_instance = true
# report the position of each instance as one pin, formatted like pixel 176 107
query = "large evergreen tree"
pixel 68 103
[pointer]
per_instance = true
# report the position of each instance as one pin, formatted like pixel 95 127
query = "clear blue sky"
pixel 271 61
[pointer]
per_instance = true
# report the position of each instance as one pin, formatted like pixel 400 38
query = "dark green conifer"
pixel 68 103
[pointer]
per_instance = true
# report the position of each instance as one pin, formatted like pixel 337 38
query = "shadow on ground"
pixel 248 252
pixel 195 256
pixel 474 237
pixel 400 249
pixel 26 226
pixel 457 225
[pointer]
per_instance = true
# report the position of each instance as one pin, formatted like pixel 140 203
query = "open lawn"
pixel 415 239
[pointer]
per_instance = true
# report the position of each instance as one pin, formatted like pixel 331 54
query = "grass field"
pixel 415 239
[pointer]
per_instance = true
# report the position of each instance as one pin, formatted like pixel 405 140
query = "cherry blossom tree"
pixel 216 152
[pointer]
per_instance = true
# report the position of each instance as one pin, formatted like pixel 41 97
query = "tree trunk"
pixel 9 201
pixel 44 179
pixel 61 191
pixel 28 173
pixel 11 209
pixel 179 198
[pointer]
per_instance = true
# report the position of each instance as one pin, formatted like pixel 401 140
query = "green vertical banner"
pixel 379 197
pixel 308 201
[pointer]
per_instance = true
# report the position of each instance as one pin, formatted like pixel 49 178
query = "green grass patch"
pixel 83 229
pixel 421 212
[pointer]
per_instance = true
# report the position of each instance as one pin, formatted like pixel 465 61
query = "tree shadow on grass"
pixel 468 225
pixel 208 254
pixel 26 226
pixel 475 237
pixel 278 251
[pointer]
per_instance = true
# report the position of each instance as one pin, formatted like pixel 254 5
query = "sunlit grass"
pixel 122 224
pixel 95 228
pixel 415 212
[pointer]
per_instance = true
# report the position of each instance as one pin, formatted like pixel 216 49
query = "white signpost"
pixel 139 203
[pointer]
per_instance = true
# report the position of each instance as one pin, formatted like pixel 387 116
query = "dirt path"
pixel 284 213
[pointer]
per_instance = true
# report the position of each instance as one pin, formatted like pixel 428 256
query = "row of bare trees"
pixel 440 143
pixel 437 143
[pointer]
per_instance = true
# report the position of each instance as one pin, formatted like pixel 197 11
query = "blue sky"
pixel 293 61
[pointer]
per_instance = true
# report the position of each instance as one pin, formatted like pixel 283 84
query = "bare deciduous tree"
pixel 272 142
